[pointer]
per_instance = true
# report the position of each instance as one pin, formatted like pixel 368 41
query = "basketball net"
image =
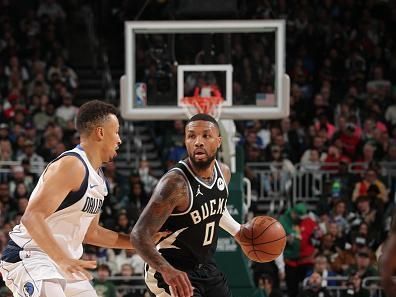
pixel 207 100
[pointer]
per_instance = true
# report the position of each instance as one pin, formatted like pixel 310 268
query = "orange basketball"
pixel 262 239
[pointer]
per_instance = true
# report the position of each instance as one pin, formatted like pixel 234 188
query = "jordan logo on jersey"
pixel 199 191
pixel 92 205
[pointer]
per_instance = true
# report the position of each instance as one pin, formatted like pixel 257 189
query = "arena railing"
pixel 275 187
pixel 6 168
pixel 371 283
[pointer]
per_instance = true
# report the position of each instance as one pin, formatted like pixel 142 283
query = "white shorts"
pixel 25 278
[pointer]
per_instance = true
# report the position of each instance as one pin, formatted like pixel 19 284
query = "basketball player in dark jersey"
pixel 387 261
pixel 190 201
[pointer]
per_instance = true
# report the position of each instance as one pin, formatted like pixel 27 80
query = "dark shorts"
pixel 207 280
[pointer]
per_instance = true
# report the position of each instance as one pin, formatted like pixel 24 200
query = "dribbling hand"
pixel 178 281
pixel 72 267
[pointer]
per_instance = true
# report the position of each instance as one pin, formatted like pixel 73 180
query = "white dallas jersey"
pixel 70 222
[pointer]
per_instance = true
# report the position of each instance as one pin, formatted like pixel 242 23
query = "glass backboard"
pixel 168 60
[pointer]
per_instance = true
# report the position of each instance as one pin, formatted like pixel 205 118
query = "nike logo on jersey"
pixel 92 186
pixel 199 191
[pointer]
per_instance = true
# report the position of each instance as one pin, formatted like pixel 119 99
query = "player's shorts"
pixel 24 272
pixel 207 280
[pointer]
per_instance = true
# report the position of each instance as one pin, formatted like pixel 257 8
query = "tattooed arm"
pixel 170 194
pixel 387 261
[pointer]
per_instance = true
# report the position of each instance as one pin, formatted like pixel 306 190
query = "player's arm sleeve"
pixel 228 223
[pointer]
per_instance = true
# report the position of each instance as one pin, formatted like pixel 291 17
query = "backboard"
pixel 168 60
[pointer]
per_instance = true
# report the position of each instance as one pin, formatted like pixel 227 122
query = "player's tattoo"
pixel 170 193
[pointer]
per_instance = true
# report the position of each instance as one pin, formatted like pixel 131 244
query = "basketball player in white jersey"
pixel 190 201
pixel 42 257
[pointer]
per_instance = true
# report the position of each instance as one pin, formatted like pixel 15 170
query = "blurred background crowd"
pixel 340 138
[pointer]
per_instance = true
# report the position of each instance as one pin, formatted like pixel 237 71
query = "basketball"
pixel 262 239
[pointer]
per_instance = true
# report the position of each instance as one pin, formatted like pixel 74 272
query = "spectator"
pixel 66 113
pixel 173 144
pixel 318 144
pixel 19 176
pixel 338 216
pixel 6 152
pixel 131 258
pixel 363 267
pixel 282 171
pixel 298 254
pixel 370 178
pixel 354 287
pixel 104 287
pixel 29 153
pixel 123 224
pixel 265 283
pixel 148 180
pixel 135 202
pixel 322 267
pixel 314 287
pixel 45 116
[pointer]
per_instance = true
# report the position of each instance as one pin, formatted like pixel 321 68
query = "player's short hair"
pixel 92 114
pixel 204 117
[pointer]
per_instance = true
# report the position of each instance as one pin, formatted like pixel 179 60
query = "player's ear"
pixel 219 142
pixel 99 132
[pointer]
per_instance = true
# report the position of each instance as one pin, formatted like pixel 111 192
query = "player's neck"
pixel 205 174
pixel 92 155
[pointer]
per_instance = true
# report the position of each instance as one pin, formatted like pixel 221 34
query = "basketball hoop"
pixel 197 104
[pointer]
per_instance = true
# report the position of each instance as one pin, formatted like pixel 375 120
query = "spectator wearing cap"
pixel 364 266
pixel 31 133
pixel 345 258
pixel 370 178
pixel 298 253
pixel 35 161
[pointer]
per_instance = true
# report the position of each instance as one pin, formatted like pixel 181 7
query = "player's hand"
pixel 159 235
pixel 178 281
pixel 73 268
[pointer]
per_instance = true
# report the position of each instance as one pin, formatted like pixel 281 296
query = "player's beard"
pixel 202 164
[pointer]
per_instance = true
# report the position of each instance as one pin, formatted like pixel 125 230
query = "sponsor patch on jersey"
pixel 220 184
pixel 28 289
